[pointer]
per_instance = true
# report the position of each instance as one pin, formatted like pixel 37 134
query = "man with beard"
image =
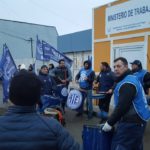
pixel 105 79
pixel 131 110
pixel 62 76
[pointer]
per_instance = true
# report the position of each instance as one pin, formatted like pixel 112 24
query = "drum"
pixel 96 139
pixel 56 113
pixel 74 99
pixel 51 112
pixel 62 91
pixel 48 100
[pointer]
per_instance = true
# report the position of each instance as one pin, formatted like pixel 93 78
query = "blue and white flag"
pixel 54 54
pixel 40 54
pixel 7 69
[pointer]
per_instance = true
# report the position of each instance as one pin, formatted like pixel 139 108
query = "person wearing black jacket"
pixel 21 127
pixel 131 110
pixel 105 79
pixel 61 73
pixel 48 85
pixel 62 76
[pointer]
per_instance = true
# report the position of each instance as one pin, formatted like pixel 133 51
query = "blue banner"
pixel 7 69
pixel 54 54
pixel 40 54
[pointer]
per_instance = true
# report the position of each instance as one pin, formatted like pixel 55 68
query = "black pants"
pixel 104 103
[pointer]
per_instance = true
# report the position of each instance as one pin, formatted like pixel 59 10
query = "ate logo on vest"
pixel 64 91
pixel 74 99
pixel 83 76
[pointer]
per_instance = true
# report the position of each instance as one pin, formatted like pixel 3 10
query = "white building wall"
pixel 78 60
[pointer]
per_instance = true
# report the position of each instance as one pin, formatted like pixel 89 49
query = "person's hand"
pixel 110 91
pixel 85 78
pixel 63 81
pixel 107 127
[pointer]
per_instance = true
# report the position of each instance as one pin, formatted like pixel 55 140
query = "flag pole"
pixel 31 40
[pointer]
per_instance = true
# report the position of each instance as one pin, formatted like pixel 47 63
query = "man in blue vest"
pixel 143 75
pixel 85 77
pixel 131 110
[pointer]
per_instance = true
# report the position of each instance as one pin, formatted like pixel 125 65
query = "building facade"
pixel 77 46
pixel 121 28
pixel 20 38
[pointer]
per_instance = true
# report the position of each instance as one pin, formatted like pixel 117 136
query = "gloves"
pixel 106 127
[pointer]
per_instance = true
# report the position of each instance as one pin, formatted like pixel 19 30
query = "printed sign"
pixel 74 99
pixel 128 16
pixel 64 91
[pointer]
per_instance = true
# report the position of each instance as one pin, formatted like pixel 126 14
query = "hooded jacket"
pixel 22 128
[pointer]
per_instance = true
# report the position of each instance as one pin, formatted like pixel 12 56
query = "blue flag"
pixel 40 54
pixel 7 70
pixel 54 54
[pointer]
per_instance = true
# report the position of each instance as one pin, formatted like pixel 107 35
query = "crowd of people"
pixel 28 93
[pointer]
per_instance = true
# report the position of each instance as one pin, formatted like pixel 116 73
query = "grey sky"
pixel 67 16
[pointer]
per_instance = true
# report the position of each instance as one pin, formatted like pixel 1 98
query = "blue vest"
pixel 139 102
pixel 84 73
pixel 140 75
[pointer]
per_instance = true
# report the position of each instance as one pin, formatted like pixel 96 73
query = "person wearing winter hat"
pixel 85 78
pixel 22 66
pixel 48 86
pixel 22 128
pixel 142 74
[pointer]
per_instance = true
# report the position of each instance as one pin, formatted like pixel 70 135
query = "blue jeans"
pixel 84 95
pixel 89 104
pixel 128 136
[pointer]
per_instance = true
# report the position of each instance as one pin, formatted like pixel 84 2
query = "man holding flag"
pixel 7 69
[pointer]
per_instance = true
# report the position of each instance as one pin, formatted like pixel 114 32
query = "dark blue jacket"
pixel 59 73
pixel 106 80
pixel 48 84
pixel 22 128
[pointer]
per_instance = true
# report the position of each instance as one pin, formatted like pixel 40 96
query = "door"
pixel 131 52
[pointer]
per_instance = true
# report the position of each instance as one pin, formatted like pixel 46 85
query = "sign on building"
pixel 128 16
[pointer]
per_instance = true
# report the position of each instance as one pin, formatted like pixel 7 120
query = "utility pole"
pixel 31 40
